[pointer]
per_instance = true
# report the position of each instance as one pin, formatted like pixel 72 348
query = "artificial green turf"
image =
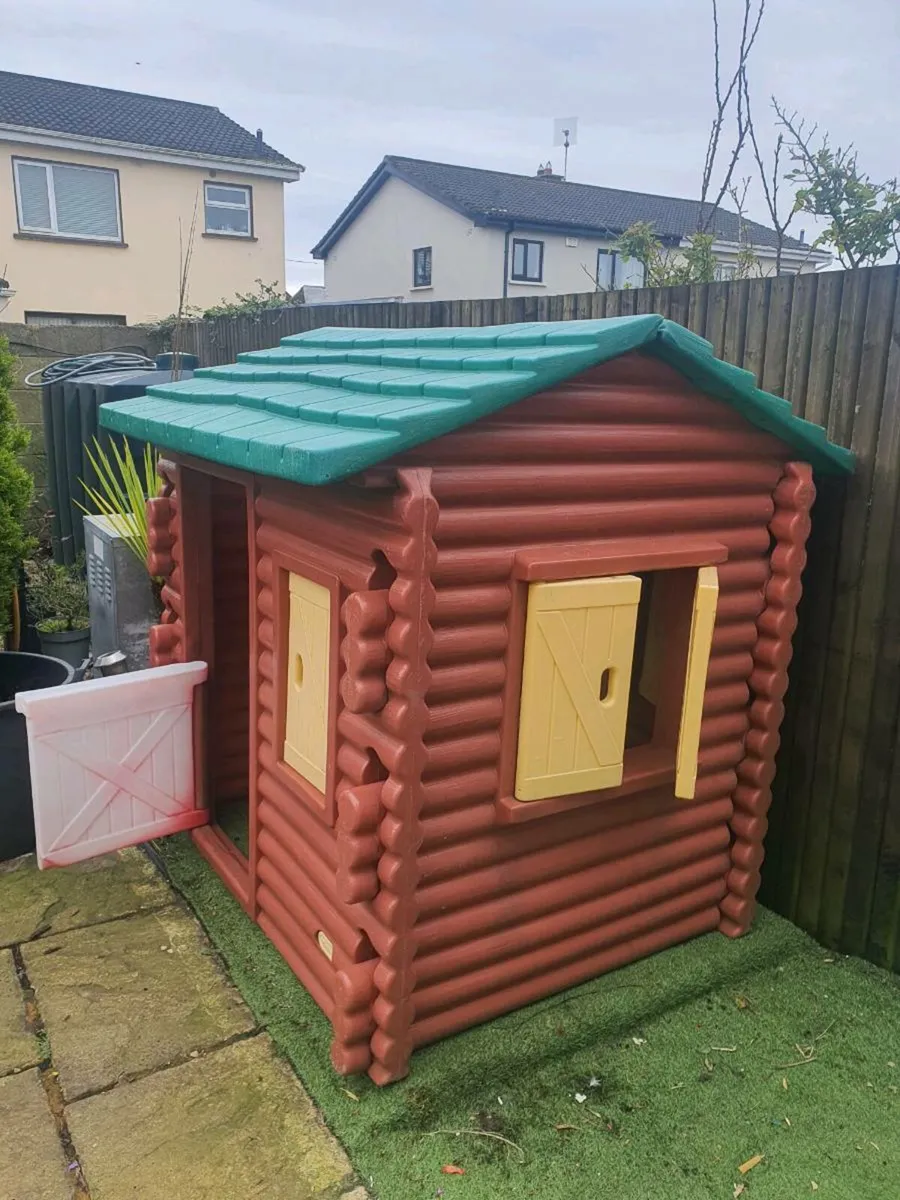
pixel 679 1058
pixel 233 818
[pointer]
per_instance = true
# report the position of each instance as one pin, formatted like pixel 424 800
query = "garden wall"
pixel 37 345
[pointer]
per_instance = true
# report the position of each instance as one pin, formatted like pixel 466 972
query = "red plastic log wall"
pixel 444 907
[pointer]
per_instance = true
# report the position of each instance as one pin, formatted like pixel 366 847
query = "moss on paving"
pixel 678 1058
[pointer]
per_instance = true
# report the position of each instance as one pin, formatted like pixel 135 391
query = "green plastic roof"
pixel 325 404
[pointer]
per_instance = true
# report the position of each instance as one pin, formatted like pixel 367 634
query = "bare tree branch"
pixel 769 182
pixel 185 255
pixel 747 264
pixel 752 19
pixel 595 279
pixel 716 127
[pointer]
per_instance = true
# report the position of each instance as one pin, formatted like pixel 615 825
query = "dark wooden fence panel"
pixel 830 344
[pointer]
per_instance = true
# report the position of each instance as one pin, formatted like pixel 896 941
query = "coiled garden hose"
pixel 88 364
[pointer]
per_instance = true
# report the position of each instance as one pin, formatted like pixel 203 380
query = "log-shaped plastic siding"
pixel 442 901
pixel 311 869
pixel 508 912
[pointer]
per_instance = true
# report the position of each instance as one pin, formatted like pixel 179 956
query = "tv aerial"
pixel 565 134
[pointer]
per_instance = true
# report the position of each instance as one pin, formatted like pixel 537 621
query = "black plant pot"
pixel 69 645
pixel 20 673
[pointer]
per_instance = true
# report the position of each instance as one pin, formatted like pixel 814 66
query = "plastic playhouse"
pixel 496 624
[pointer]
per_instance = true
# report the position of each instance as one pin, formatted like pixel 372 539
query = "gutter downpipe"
pixel 509 230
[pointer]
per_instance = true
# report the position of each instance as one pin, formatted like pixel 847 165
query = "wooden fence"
pixel 830 343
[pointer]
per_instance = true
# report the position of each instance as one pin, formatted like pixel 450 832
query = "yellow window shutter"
pixel 576 675
pixel 307 678
pixel 703 621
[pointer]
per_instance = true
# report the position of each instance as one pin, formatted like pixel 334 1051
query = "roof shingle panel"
pixel 328 403
pixel 57 106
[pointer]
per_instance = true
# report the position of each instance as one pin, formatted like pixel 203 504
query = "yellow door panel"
pixel 576 674
pixel 706 597
pixel 307 678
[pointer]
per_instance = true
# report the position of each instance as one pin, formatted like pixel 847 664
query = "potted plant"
pixel 58 600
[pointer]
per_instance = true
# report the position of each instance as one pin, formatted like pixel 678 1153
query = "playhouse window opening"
pixel 642 698
pixel 659 666
pixel 384 574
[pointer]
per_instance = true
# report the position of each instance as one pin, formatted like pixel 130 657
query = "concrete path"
pixel 129 1065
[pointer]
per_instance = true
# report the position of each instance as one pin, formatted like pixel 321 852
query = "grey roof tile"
pixel 496 196
pixel 80 110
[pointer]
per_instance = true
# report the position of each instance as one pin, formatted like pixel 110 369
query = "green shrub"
pixel 57 595
pixel 16 487
pixel 244 304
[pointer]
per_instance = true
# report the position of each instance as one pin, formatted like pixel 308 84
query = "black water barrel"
pixel 70 423
pixel 20 673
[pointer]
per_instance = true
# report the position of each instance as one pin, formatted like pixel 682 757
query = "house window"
pixel 527 261
pixel 606 270
pixel 615 270
pixel 422 267
pixel 60 200
pixel 228 209
pixel 90 319
pixel 725 271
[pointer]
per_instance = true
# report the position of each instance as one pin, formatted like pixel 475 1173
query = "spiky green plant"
pixel 123 488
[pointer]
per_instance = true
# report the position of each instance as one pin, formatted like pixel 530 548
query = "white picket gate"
pixel 112 761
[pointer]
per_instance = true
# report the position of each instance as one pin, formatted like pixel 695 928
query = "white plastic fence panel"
pixel 112 761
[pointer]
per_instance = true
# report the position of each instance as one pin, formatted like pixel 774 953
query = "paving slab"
pixel 130 996
pixel 33 901
pixel 18 1047
pixel 234 1123
pixel 32 1166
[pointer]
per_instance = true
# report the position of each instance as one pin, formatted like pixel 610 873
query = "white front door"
pixel 112 761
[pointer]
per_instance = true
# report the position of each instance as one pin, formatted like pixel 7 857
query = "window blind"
pixel 70 201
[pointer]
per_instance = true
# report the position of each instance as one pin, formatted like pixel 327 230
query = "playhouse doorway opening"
pixel 228 712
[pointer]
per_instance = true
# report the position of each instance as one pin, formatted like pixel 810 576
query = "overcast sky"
pixel 475 81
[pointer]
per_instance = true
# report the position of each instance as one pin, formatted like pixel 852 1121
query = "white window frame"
pixel 725 272
pixel 222 204
pixel 54 230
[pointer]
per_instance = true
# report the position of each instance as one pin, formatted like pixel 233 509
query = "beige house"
pixel 98 188
pixel 419 230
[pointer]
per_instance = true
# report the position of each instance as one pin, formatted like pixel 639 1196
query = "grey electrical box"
pixel 119 594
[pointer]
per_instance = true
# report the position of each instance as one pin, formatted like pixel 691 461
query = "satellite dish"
pixel 565 131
